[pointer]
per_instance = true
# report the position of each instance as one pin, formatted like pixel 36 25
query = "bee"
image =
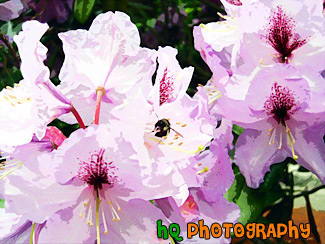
pixel 163 127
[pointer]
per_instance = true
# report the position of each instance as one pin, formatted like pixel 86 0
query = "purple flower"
pixel 103 171
pixel 206 202
pixel 35 101
pixel 279 113
pixel 107 61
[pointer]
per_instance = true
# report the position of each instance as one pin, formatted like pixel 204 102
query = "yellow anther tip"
pixel 295 157
pixel 105 232
pixel 80 215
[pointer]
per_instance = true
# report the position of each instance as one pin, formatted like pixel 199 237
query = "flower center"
pixel 281 103
pixel 189 209
pixel 97 171
pixel 282 36
pixel 166 87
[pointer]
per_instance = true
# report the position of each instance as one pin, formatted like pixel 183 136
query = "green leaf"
pixel 82 10
pixel 274 194
pixel 2 203
pixel 277 172
pixel 251 203
pixel 10 28
pixel 237 129
pixel 237 186
pixel 3 1
pixel 9 76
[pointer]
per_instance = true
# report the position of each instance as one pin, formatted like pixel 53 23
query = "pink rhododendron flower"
pixel 174 127
pixel 206 202
pixel 170 138
pixel 16 230
pixel 26 112
pixel 102 171
pixel 35 101
pixel 222 38
pixel 32 190
pixel 279 109
pixel 276 31
pixel 103 64
pixel 292 34
pixel 32 65
pixel 171 81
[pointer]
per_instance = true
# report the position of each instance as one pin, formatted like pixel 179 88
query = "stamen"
pixel 10 171
pixel 9 88
pixel 223 16
pixel 89 214
pixel 104 219
pixel 214 97
pixel 223 30
pixel 200 148
pixel 204 170
pixel 272 137
pixel 118 207
pixel 115 215
pixel 85 204
pixel 291 141
pixel 280 146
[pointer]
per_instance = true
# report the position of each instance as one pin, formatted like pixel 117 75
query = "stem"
pixel 311 219
pixel 100 93
pixel 10 47
pixel 79 119
pixel 31 240
pixel 97 217
pixel 309 192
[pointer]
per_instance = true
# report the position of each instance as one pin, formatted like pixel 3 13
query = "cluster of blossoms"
pixel 146 152
pixel 268 61
pixel 137 156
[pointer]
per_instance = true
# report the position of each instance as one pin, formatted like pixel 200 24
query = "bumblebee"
pixel 163 127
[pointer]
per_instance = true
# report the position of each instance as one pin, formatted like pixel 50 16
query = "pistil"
pixel 97 217
pixel 100 93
